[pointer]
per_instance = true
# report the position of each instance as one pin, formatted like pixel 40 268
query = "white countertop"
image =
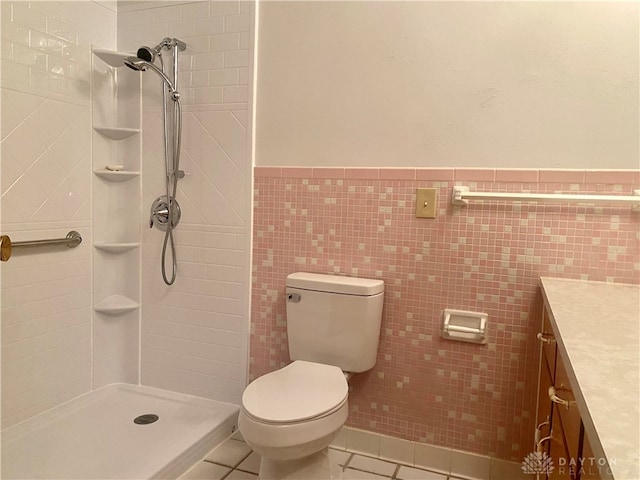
pixel 597 328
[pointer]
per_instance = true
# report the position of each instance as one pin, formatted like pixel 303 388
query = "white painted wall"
pixel 458 83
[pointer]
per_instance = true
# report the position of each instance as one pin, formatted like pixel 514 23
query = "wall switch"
pixel 426 202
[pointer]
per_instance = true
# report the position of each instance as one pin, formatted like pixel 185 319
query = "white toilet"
pixel 290 416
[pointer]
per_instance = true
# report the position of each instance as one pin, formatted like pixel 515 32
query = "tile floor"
pixel 234 460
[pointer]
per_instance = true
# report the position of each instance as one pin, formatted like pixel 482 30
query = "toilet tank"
pixel 334 320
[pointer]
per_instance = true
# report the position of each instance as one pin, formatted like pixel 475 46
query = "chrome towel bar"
pixel 73 239
pixel 462 195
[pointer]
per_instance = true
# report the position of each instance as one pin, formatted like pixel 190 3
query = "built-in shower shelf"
pixel 115 59
pixel 116 133
pixel 115 247
pixel 116 176
pixel 116 305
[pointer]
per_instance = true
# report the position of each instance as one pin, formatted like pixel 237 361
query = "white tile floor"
pixel 234 460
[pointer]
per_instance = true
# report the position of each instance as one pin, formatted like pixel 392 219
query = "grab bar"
pixel 73 239
pixel 462 195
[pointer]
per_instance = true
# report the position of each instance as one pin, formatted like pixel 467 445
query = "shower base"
pixel 94 436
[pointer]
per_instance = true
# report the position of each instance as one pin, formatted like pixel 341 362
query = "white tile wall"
pixel 46 161
pixel 46 329
pixel 194 334
pixel 45 178
pixel 46 46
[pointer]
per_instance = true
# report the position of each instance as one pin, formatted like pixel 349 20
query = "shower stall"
pixel 93 337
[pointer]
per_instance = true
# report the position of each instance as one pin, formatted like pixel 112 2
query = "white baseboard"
pixel 438 459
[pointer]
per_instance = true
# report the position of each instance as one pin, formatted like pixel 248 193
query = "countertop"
pixel 597 326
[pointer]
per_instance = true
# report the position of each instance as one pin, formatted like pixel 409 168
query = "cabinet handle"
pixel 556 399
pixel 546 339
pixel 538 434
pixel 540 443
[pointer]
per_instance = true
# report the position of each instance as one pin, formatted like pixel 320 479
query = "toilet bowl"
pixel 290 417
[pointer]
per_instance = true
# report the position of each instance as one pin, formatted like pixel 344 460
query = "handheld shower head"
pixel 141 65
pixel 147 53
pixel 135 63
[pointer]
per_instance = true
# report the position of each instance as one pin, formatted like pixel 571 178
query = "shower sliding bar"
pixel 462 195
pixel 73 239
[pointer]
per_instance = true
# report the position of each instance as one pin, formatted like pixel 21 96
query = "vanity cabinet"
pixel 560 433
pixel 589 356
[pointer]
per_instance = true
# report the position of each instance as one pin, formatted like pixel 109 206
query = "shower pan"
pixel 165 210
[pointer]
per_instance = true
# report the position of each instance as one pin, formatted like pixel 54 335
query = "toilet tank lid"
pixel 335 283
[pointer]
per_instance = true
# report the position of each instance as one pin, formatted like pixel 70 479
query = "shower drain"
pixel 145 419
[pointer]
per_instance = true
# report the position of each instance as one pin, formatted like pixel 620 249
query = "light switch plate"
pixel 426 202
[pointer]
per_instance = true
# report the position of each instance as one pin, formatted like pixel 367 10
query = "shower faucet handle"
pixel 160 215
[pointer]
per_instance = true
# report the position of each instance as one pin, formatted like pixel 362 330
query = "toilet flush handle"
pixel 294 297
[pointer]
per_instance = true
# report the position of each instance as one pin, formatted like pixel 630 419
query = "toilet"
pixel 291 415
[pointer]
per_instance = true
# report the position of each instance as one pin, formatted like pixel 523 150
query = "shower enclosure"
pixel 96 435
pixel 82 149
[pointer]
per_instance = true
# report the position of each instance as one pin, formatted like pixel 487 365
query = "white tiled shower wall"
pixel 46 178
pixel 192 333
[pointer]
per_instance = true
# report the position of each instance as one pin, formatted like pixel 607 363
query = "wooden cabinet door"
pixel 548 341
pixel 568 415
pixel 564 432
pixel 543 418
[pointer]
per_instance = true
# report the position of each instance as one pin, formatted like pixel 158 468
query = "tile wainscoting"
pixel 485 257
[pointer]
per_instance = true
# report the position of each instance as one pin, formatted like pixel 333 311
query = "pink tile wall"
pixel 484 257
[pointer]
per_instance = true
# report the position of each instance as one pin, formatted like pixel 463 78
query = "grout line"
pixel 372 473
pixel 396 471
pixel 219 464
pixel 228 473
pixel 242 460
pixel 375 473
pixel 245 471
pixel 346 464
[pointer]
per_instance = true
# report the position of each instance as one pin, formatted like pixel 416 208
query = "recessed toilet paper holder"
pixel 464 326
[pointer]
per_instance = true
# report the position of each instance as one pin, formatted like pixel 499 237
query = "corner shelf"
pixel 116 176
pixel 116 133
pixel 116 143
pixel 115 247
pixel 116 305
pixel 115 59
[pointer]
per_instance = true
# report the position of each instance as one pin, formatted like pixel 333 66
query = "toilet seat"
pixel 299 392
